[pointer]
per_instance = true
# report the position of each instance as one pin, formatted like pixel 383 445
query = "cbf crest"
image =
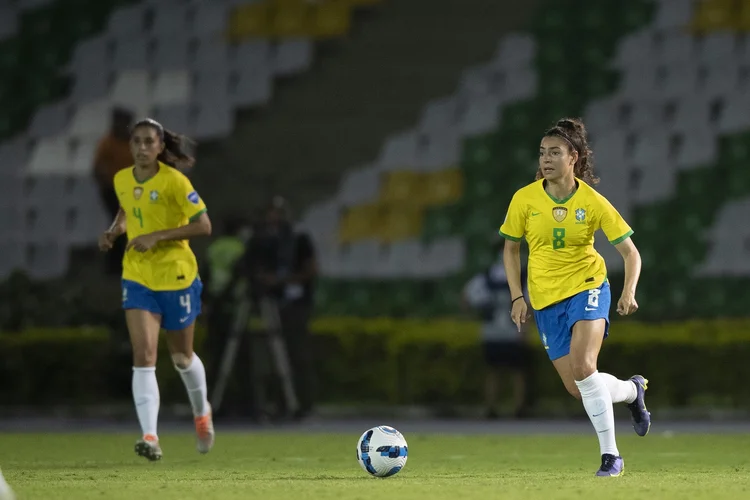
pixel 580 215
pixel 559 213
pixel 137 192
pixel 154 196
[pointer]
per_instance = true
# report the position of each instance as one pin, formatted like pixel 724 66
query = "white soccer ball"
pixel 382 451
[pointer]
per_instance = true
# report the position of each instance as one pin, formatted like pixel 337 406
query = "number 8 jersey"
pixel 560 235
pixel 165 201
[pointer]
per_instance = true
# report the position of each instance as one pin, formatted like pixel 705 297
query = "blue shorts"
pixel 178 308
pixel 555 322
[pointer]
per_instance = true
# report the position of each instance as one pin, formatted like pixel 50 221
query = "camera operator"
pixel 282 266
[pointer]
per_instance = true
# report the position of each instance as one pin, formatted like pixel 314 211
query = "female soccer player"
pixel 160 211
pixel 567 279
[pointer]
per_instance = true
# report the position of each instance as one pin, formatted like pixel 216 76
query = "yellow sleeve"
pixel 514 226
pixel 612 223
pixel 187 198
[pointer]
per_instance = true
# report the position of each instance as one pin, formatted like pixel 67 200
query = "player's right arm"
pixel 513 229
pixel 115 230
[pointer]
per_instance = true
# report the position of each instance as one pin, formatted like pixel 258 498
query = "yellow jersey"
pixel 165 201
pixel 560 235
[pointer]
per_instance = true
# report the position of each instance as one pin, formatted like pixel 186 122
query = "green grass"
pixel 323 466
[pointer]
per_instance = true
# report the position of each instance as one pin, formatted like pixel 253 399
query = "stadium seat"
pixel 291 19
pixel 209 19
pixel 399 152
pixel 130 54
pixel 400 222
pixel 358 259
pixel 14 154
pixel 714 15
pixel 8 22
pixel 169 19
pixel 443 187
pixel 331 19
pixel 82 157
pixel 49 120
pixel 252 20
pixel 360 186
pixel 213 118
pixel 128 22
pixel 292 57
pixel 171 88
pixel 252 55
pixel 401 259
pixel 674 14
pixel 439 150
pixel 91 118
pixel 402 186
pixel 254 86
pixel 171 52
pixel 211 55
pixel 132 90
pixel 360 222
pixel 50 155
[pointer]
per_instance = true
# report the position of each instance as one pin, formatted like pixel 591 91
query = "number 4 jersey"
pixel 560 235
pixel 165 201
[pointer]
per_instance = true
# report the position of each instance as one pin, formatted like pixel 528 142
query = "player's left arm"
pixel 619 233
pixel 191 205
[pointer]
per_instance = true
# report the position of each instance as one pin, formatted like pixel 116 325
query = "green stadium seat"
pixel 440 222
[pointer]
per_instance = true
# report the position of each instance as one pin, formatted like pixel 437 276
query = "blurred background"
pixel 357 158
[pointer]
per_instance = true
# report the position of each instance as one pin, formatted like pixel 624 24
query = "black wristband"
pixel 513 301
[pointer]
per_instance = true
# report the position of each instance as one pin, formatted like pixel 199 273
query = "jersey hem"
pixel 622 238
pixel 573 294
pixel 195 217
pixel 508 237
pixel 159 289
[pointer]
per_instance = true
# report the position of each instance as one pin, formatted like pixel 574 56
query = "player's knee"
pixel 181 360
pixel 583 368
pixel 144 357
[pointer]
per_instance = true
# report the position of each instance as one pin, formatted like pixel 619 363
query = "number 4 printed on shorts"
pixel 185 302
pixel 593 303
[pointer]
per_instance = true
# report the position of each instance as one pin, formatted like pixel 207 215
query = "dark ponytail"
pixel 572 131
pixel 176 146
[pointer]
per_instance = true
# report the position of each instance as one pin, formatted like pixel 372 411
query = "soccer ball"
pixel 382 451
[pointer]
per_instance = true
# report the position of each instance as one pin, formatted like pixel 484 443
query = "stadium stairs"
pixel 359 90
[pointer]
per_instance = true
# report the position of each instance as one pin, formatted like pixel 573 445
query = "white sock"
pixel 194 378
pixel 146 398
pixel 622 391
pixel 598 404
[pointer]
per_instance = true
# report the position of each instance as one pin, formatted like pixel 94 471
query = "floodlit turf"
pixel 323 466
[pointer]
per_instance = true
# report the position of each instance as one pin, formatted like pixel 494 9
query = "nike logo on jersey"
pixel 534 214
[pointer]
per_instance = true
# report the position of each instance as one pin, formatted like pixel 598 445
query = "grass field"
pixel 323 466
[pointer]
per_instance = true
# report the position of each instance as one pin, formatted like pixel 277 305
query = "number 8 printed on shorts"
pixel 185 302
pixel 594 298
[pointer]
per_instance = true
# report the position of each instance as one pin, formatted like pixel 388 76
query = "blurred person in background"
pixel 503 345
pixel 160 211
pixel 224 290
pixel 282 266
pixel 112 155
